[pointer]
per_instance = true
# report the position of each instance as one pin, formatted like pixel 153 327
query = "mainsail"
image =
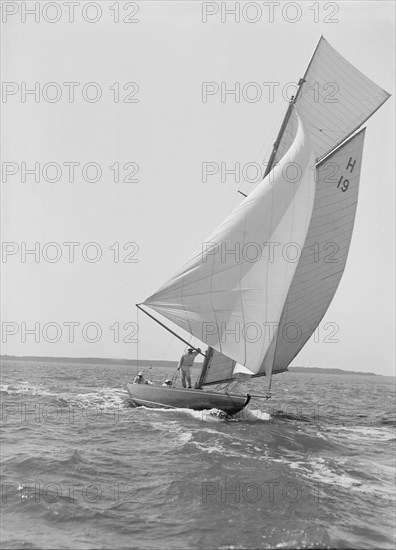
pixel 262 281
pixel 324 254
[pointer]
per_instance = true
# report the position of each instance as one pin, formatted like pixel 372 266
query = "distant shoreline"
pixel 144 363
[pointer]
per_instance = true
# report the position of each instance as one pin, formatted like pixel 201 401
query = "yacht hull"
pixel 159 397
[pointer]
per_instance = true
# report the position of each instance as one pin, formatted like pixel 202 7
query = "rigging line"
pixel 240 294
pixel 137 343
pixel 166 350
pixel 139 306
pixel 263 153
pixel 266 148
pixel 258 396
pixel 175 377
pixel 324 129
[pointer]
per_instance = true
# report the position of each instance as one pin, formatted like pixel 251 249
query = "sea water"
pixel 313 467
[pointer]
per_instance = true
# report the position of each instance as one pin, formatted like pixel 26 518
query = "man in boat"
pixel 140 379
pixel 185 364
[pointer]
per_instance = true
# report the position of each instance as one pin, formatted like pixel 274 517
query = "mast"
pixel 288 114
pixel 283 127
pixel 205 366
pixel 279 137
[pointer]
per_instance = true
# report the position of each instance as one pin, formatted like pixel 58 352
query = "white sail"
pixel 257 308
pixel 333 102
pixel 240 369
pixel 231 292
pixel 324 254
pixel 220 368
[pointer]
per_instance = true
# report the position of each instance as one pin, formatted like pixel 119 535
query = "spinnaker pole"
pixel 168 329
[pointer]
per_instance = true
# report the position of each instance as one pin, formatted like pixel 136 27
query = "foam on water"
pixel 215 415
pixel 218 448
pixel 173 428
pixel 368 434
pixel 168 454
pixel 105 398
pixel 26 389
pixel 205 415
pixel 253 415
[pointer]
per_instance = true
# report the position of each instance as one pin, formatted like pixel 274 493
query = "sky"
pixel 118 131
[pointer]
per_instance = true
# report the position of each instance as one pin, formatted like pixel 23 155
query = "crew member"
pixel 185 364
pixel 140 379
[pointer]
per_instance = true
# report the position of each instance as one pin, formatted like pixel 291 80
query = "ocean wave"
pixel 215 447
pixel 343 455
pixel 369 434
pixel 106 398
pixel 59 462
pixel 18 544
pixel 213 415
pixel 388 422
pixel 26 389
pixel 59 505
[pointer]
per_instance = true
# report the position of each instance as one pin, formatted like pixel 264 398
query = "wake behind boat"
pixel 257 288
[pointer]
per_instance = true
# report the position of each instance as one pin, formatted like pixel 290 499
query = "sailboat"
pixel 258 287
